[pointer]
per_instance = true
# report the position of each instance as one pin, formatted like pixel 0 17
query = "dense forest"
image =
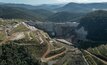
pixel 11 54
pixel 96 25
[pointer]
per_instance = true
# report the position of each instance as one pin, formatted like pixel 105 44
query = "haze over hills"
pixel 79 7
pixel 22 13
pixel 70 11
pixel 33 7
pixel 70 7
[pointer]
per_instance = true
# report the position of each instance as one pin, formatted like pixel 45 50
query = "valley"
pixel 45 49
pixel 53 34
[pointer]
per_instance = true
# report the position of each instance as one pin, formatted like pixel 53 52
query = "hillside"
pixel 95 23
pixel 53 34
pixel 24 35
pixel 81 7
pixel 35 45
pixel 7 12
pixel 95 53
pixel 21 43
pixel 37 14
pixel 65 17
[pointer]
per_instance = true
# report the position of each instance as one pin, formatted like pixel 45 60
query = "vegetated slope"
pixel 93 59
pixel 94 49
pixel 81 7
pixel 2 35
pixel 11 54
pixel 96 55
pixel 99 51
pixel 96 25
pixel 22 13
pixel 64 16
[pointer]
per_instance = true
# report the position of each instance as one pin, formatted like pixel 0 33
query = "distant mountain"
pixel 65 16
pixel 77 7
pixel 95 23
pixel 43 13
pixel 16 13
pixel 49 6
pixel 8 12
pixel 33 7
pixel 20 5
pixel 70 7
pixel 49 12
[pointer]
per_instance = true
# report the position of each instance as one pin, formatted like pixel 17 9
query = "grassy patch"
pixel 20 28
pixel 2 35
pixel 5 22
pixel 65 63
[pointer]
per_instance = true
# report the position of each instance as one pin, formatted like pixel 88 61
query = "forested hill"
pixel 7 12
pixel 65 16
pixel 96 25
pixel 83 7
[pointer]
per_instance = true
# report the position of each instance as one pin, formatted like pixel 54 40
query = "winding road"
pixel 44 59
